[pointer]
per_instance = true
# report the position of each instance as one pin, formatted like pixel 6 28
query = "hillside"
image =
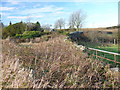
pixel 55 63
pixel 100 29
pixel 92 29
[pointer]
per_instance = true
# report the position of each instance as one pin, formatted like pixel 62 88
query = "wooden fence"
pixel 112 53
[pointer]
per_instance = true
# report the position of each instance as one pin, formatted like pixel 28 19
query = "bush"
pixel 28 34
pixel 53 64
pixel 12 30
pixel 18 35
pixel 19 29
pixel 45 33
pixel 31 34
pixel 63 32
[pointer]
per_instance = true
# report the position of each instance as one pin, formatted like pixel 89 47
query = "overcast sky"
pixel 98 14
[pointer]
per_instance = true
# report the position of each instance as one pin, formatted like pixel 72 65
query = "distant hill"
pixel 113 27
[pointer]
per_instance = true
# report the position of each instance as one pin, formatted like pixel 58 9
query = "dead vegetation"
pixel 53 64
pixel 99 29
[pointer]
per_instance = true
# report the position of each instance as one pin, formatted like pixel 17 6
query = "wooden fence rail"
pixel 97 50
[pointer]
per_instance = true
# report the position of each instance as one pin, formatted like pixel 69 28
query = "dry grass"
pixel 99 29
pixel 53 64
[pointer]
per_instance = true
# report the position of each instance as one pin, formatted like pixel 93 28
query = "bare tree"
pixel 93 36
pixel 76 19
pixel 29 25
pixel 46 27
pixel 72 21
pixel 28 19
pixel 60 23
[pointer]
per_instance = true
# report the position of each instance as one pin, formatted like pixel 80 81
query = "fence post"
pixel 114 41
pixel 114 57
pixel 112 53
pixel 96 53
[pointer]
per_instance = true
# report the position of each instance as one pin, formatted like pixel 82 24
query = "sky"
pixel 98 14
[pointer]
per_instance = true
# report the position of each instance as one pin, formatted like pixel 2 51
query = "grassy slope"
pixel 112 48
pixel 96 45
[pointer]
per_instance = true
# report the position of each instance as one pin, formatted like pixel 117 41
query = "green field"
pixel 112 48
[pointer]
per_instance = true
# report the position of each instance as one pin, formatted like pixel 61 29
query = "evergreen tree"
pixel 21 22
pixel 10 23
pixel 37 26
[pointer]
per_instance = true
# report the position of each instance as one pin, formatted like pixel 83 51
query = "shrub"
pixel 45 33
pixel 19 28
pixel 28 34
pixel 63 32
pixel 18 35
pixel 14 29
pixel 31 34
pixel 54 64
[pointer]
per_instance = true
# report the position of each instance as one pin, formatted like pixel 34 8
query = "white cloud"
pixel 37 5
pixel 59 12
pixel 14 2
pixel 6 8
pixel 45 9
pixel 20 17
pixel 63 0
pixel 23 17
pixel 4 14
pixel 38 16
